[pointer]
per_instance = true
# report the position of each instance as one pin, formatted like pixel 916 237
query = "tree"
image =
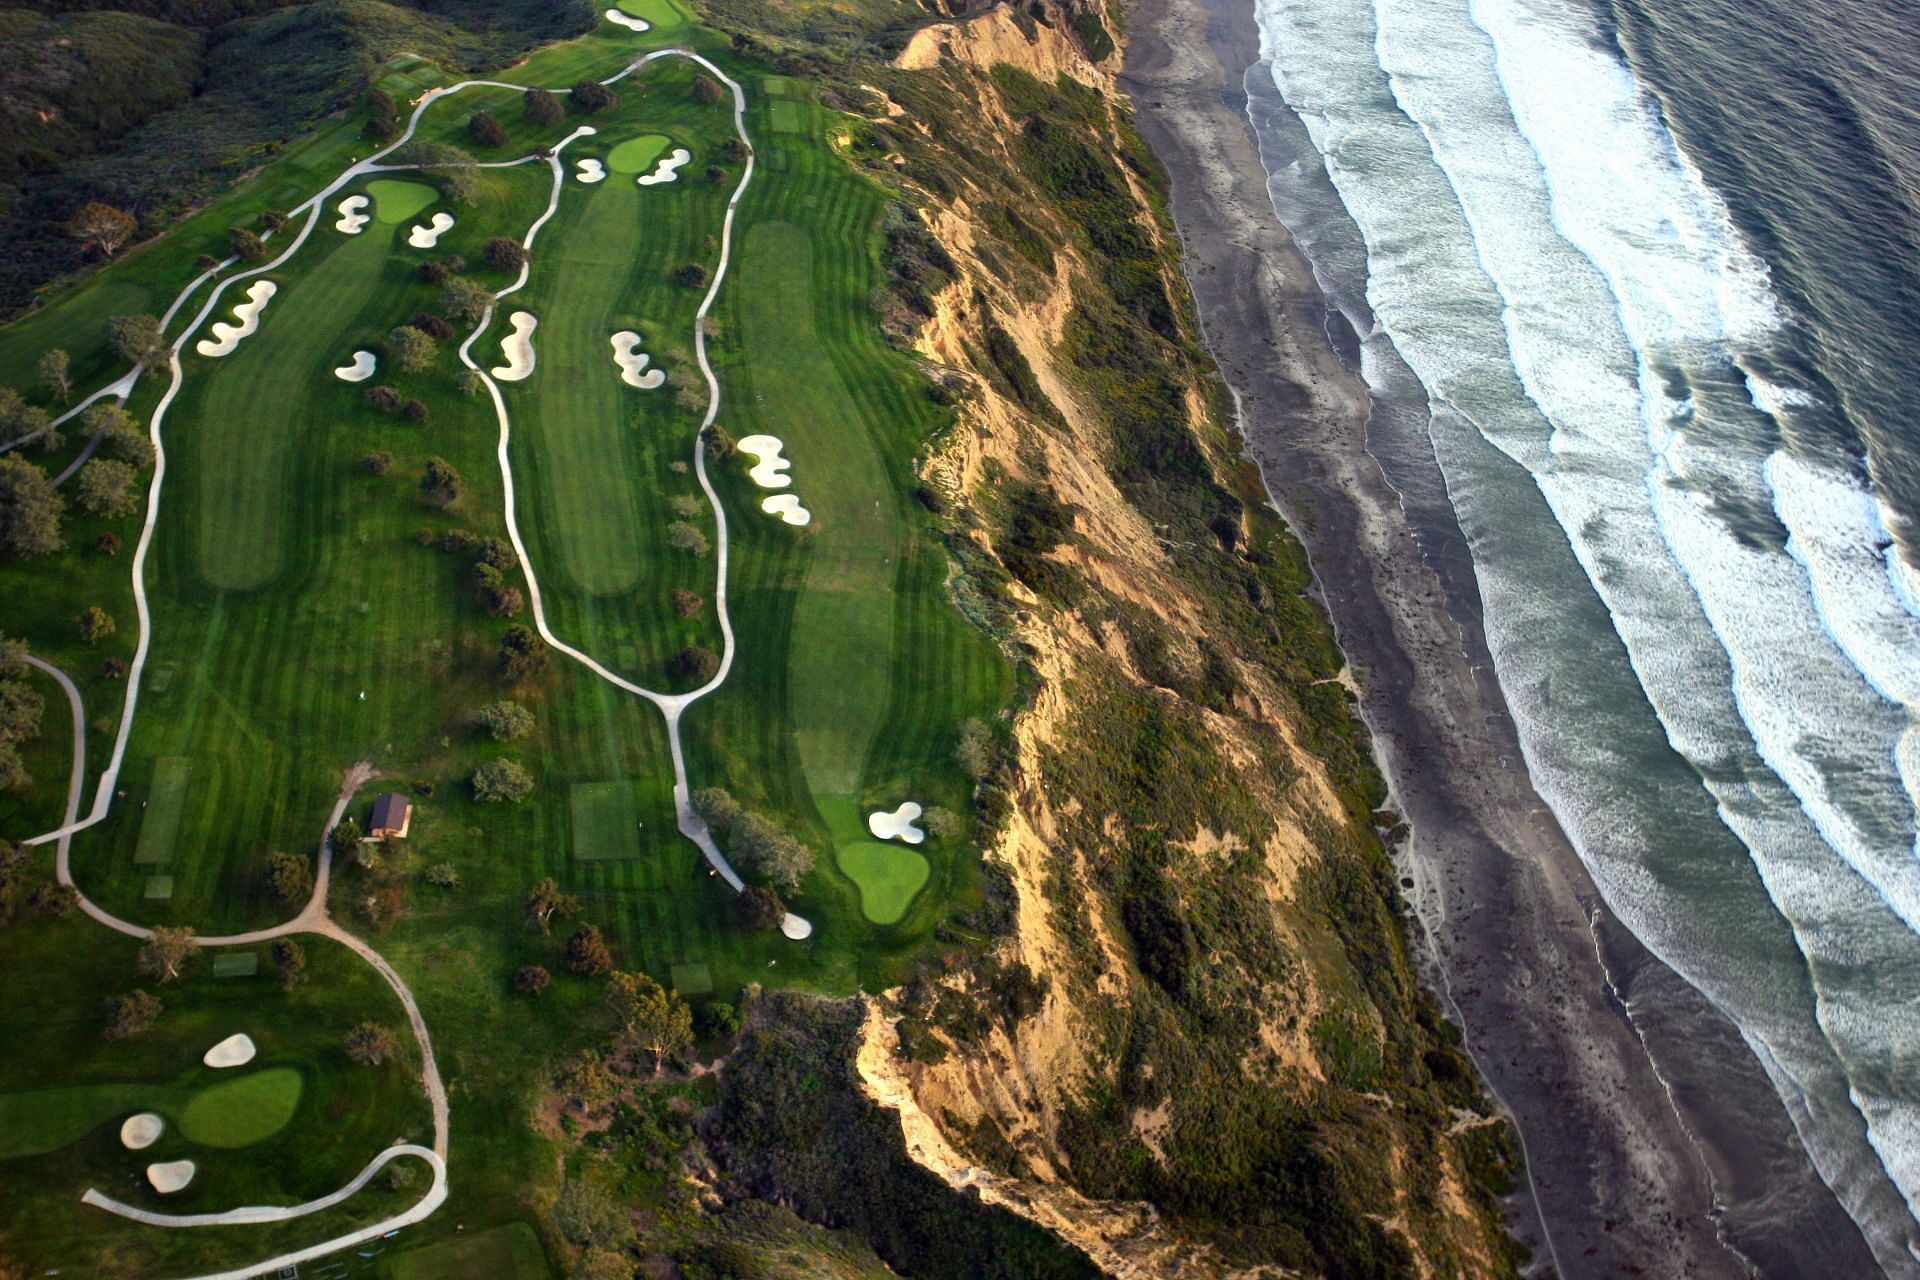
pixel 104 487
pixel 444 875
pixel 587 952
pixel 289 962
pixel 545 901
pixel 101 226
pixel 486 130
pixel 757 845
pixel 432 271
pixel 506 720
pixel 132 1014
pixel 55 373
pixel 453 168
pixel 684 537
pixel 440 485
pixel 541 107
pixel 377 463
pixel 974 751
pixel 119 434
pixel 370 1044
pixel 531 979
pixel 14 870
pixel 382 122
pixel 717 1018
pixel 685 603
pixel 592 96
pixel 506 253
pixel 465 299
pixel 587 1081
pixel 53 900
pixel 650 1016
pixel 940 822
pixel 761 908
pixel 501 780
pixel 289 876
pixel 694 665
pixel 95 625
pixel 137 338
pixel 246 245
pixel 690 274
pixel 705 90
pixel 522 654
pixel 20 420
pixel 385 399
pixel 344 838
pixel 471 383
pixel 411 350
pixel 432 325
pixel 414 411
pixel 30 509
pixel 167 952
pixel 715 175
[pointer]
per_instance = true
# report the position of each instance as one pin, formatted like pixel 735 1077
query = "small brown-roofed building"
pixel 392 815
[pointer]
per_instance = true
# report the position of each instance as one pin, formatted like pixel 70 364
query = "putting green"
pixel 239 1113
pixel 397 201
pixel 636 155
pixel 661 13
pixel 888 876
pixel 605 821
pixel 160 826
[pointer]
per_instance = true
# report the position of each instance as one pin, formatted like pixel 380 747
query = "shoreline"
pixel 1655 1143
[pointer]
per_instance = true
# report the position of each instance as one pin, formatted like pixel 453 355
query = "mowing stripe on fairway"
pixel 165 802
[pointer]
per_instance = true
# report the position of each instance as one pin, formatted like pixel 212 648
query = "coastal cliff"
pixel 1197 1046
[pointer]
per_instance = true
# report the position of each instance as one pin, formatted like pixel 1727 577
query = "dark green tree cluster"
pixel 757 846
pixel 20 711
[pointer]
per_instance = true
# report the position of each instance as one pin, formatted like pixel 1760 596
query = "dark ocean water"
pixel 1644 279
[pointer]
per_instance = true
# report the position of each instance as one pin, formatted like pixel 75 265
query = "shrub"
pixel 499 781
pixel 690 274
pixel 465 299
pixel 693 665
pixel 440 485
pixel 761 908
pixel 370 1044
pixel 289 962
pixel 505 720
pixel 377 463
pixel 289 876
pixel 531 979
pixel 592 96
pixel 506 254
pixel 706 90
pixel 587 952
pixel 95 625
pixel 432 325
pixel 411 350
pixel 486 130
pixel 685 603
pixel 542 107
pixel 522 654
pixel 684 537
pixel 432 272
pixel 132 1014
pixel 385 399
pixel 414 411
pixel 245 245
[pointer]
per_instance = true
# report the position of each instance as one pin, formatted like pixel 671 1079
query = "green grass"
pixel 605 821
pixel 511 1252
pixel 888 875
pixel 661 13
pixel 636 155
pixel 42 1120
pixel 785 117
pixel 160 825
pixel 694 979
pixel 241 1112
pixel 396 200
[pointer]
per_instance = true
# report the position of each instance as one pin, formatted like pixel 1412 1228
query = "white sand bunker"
pixel 518 347
pixel 796 927
pixel 427 234
pixel 238 1050
pixel 628 21
pixel 141 1131
pixel 770 469
pixel 664 171
pixel 897 825
pixel 351 219
pixel 633 363
pixel 227 336
pixel 788 508
pixel 170 1176
pixel 591 171
pixel 364 363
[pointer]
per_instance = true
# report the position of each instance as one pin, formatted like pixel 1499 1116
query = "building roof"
pixel 390 812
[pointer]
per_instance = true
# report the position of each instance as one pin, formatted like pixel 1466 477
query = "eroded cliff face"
pixel 1199 1050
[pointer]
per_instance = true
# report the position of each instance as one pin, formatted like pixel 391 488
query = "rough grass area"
pixel 511 1252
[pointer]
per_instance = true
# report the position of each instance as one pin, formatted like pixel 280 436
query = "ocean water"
pixel 1643 277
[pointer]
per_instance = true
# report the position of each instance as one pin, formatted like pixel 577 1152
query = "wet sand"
pixel 1655 1144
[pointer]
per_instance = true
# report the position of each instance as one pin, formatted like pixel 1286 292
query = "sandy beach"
pixel 1655 1143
